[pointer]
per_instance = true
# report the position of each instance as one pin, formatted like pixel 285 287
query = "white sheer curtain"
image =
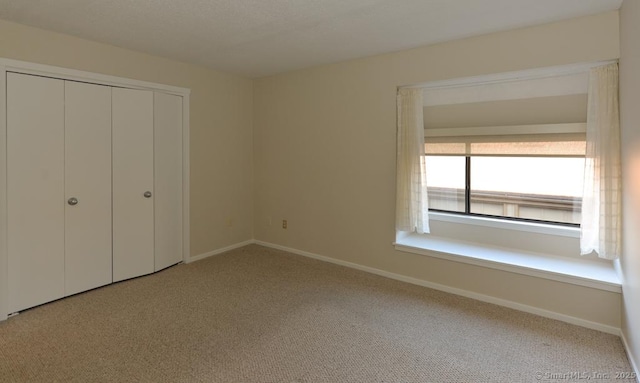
pixel 412 205
pixel 600 228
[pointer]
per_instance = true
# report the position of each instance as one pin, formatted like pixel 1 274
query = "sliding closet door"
pixel 35 190
pixel 168 179
pixel 132 113
pixel 87 186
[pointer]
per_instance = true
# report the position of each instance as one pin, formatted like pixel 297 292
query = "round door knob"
pixel 147 194
pixel 72 201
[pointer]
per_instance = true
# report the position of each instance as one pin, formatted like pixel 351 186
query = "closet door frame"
pixel 8 65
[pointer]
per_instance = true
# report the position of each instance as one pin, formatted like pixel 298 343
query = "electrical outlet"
pixel 229 222
pixel 284 223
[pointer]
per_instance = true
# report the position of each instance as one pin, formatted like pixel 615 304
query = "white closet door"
pixel 132 113
pixel 35 190
pixel 88 181
pixel 168 179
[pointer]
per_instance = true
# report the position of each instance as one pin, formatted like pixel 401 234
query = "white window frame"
pixel 506 224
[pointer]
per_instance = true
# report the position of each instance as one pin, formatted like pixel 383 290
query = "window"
pixel 513 150
pixel 533 177
pixel 512 146
pixel 538 189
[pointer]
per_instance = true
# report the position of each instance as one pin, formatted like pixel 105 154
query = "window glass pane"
pixel 445 182
pixel 540 188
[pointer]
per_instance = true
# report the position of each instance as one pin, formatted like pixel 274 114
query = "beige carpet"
pixel 261 315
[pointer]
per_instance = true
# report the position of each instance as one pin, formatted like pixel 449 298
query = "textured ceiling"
pixel 257 38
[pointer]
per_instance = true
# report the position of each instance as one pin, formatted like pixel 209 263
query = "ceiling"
pixel 257 38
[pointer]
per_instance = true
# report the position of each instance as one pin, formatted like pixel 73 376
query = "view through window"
pixel 534 188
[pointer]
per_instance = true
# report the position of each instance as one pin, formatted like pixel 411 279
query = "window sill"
pixel 597 274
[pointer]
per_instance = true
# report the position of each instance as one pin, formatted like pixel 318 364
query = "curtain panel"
pixel 412 204
pixel 600 227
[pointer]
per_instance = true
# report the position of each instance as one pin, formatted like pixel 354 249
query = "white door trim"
pixel 9 65
pixel 82 76
pixel 4 259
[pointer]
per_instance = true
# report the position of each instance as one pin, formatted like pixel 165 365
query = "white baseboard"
pixel 453 290
pixel 630 356
pixel 220 251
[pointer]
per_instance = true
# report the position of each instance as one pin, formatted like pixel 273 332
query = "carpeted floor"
pixel 262 315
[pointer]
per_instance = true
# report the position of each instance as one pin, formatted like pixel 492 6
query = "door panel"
pixel 35 190
pixel 168 179
pixel 88 179
pixel 132 153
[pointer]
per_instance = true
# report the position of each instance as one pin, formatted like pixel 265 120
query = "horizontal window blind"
pixel 555 140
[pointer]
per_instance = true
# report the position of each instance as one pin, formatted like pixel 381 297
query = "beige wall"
pixel 539 110
pixel 630 125
pixel 221 123
pixel 325 156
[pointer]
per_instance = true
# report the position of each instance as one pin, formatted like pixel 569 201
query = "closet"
pixel 93 185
